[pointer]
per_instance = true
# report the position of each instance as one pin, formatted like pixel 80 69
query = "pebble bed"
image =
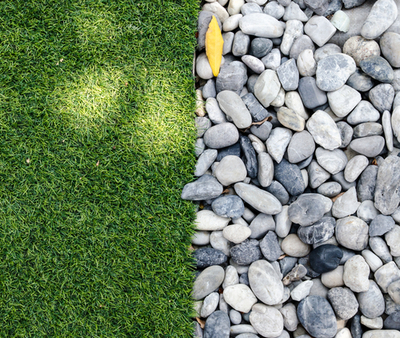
pixel 298 171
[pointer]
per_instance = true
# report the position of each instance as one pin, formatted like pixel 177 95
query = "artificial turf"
pixel 97 138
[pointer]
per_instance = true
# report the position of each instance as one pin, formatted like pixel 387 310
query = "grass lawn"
pixel 97 138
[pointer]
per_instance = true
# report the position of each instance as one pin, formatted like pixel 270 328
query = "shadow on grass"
pixel 97 143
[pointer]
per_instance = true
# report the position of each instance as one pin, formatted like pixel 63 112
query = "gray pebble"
pixel 346 133
pixel 367 129
pixel 378 68
pixel 360 81
pixel 380 225
pixel 206 187
pixel 290 177
pixel 370 146
pixel 221 135
pixel 329 189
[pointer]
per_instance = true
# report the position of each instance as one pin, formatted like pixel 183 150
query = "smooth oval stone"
pixel 396 121
pixel 319 232
pixel 360 81
pixel 370 146
pixel 332 161
pixel 261 25
pixel 253 63
pixel 346 133
pixel 270 247
pixel 300 44
pixel 329 189
pixel 334 278
pixel 294 247
pixel 265 169
pixel 278 190
pixel 215 114
pixel 294 12
pixel 241 43
pixel 206 257
pixel 265 283
pixel 386 275
pixel 359 48
pixel 217 325
pixel 293 30
pixel 261 224
pixel 393 321
pixel 278 142
pixel 272 60
pixel 308 209
pixel 240 297
pixel 317 317
pixel 203 68
pixel 210 304
pixel 317 175
pixel 390 45
pixel 372 303
pixel 366 183
pixel 262 131
pixel 344 302
pixel 352 233
pixel 232 22
pixel 228 206
pixel 325 258
pixel 319 29
pixel 260 47
pixel 381 334
pixel 236 233
pixel 204 162
pixel 260 200
pixel 250 8
pixel 382 15
pixel 228 38
pixel 367 129
pixel 201 238
pixel 301 147
pixel 274 9
pixel 355 274
pixel 232 105
pixel 291 120
pixel 221 135
pixel 219 242
pixel 208 280
pixel 289 175
pixel 355 167
pixel 267 87
pixel 364 112
pixel 206 187
pixel 290 320
pixel 387 192
pixel 380 248
pixel 372 260
pixel 346 204
pixel 378 68
pixel 306 63
pixel 301 291
pixel 206 220
pixel 311 95
pixel 382 96
pixel 288 75
pixel 387 129
pixel 343 100
pixel 324 130
pixel 230 170
pixel 367 212
pixel 392 239
pixel 232 76
pixel 326 50
pixel 217 9
pixel 246 252
pixel 267 320
pixel 333 71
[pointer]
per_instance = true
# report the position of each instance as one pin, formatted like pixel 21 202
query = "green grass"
pixel 97 136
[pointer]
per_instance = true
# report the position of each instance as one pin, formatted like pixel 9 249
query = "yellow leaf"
pixel 214 45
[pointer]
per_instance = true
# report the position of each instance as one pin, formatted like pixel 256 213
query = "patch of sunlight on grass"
pixel 90 100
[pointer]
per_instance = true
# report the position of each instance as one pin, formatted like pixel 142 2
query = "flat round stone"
pixel 370 146
pixel 325 258
pixel 221 135
pixel 228 206
pixel 333 71
pixel 208 280
pixel 259 199
pixel 378 68
pixel 308 209
pixel 352 233
pixel 265 282
pixel 267 320
pixel 317 317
